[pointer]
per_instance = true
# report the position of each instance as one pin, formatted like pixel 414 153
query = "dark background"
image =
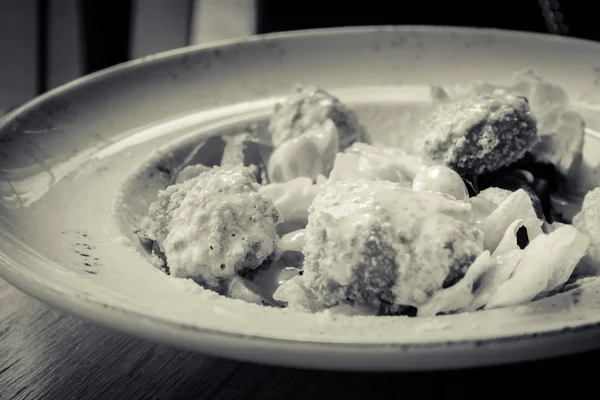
pixel 274 15
pixel 106 23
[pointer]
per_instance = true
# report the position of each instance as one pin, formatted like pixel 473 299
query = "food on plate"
pixel 318 217
pixel 479 133
pixel 545 265
pixel 561 141
pixel 214 226
pixel 365 161
pixel 308 155
pixel 517 206
pixel 292 199
pixel 246 150
pixel 440 179
pixel 369 242
pixel 494 195
pixel 307 107
pixel 190 171
pixel 560 129
pixel 293 241
pixel 588 222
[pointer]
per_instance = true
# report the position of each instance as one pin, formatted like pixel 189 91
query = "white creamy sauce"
pixel 420 221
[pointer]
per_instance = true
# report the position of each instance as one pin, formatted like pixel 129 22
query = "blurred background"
pixel 45 43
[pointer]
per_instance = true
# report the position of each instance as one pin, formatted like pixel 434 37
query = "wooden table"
pixel 46 354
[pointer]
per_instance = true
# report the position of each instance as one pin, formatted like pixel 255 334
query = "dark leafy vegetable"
pixel 539 180
pixel 389 309
pixel 249 151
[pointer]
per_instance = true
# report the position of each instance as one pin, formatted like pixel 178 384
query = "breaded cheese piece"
pixel 479 133
pixel 561 129
pixel 214 225
pixel 369 242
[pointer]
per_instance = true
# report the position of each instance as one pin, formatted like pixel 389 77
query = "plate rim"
pixel 301 33
pixel 208 341
pixel 117 318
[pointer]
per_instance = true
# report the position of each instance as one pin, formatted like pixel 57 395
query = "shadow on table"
pixel 46 354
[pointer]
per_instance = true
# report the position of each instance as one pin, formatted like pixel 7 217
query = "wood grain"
pixel 45 354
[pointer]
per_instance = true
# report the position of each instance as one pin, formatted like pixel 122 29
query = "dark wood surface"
pixel 46 354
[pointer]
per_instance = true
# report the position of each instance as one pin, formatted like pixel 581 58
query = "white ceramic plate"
pixel 64 156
